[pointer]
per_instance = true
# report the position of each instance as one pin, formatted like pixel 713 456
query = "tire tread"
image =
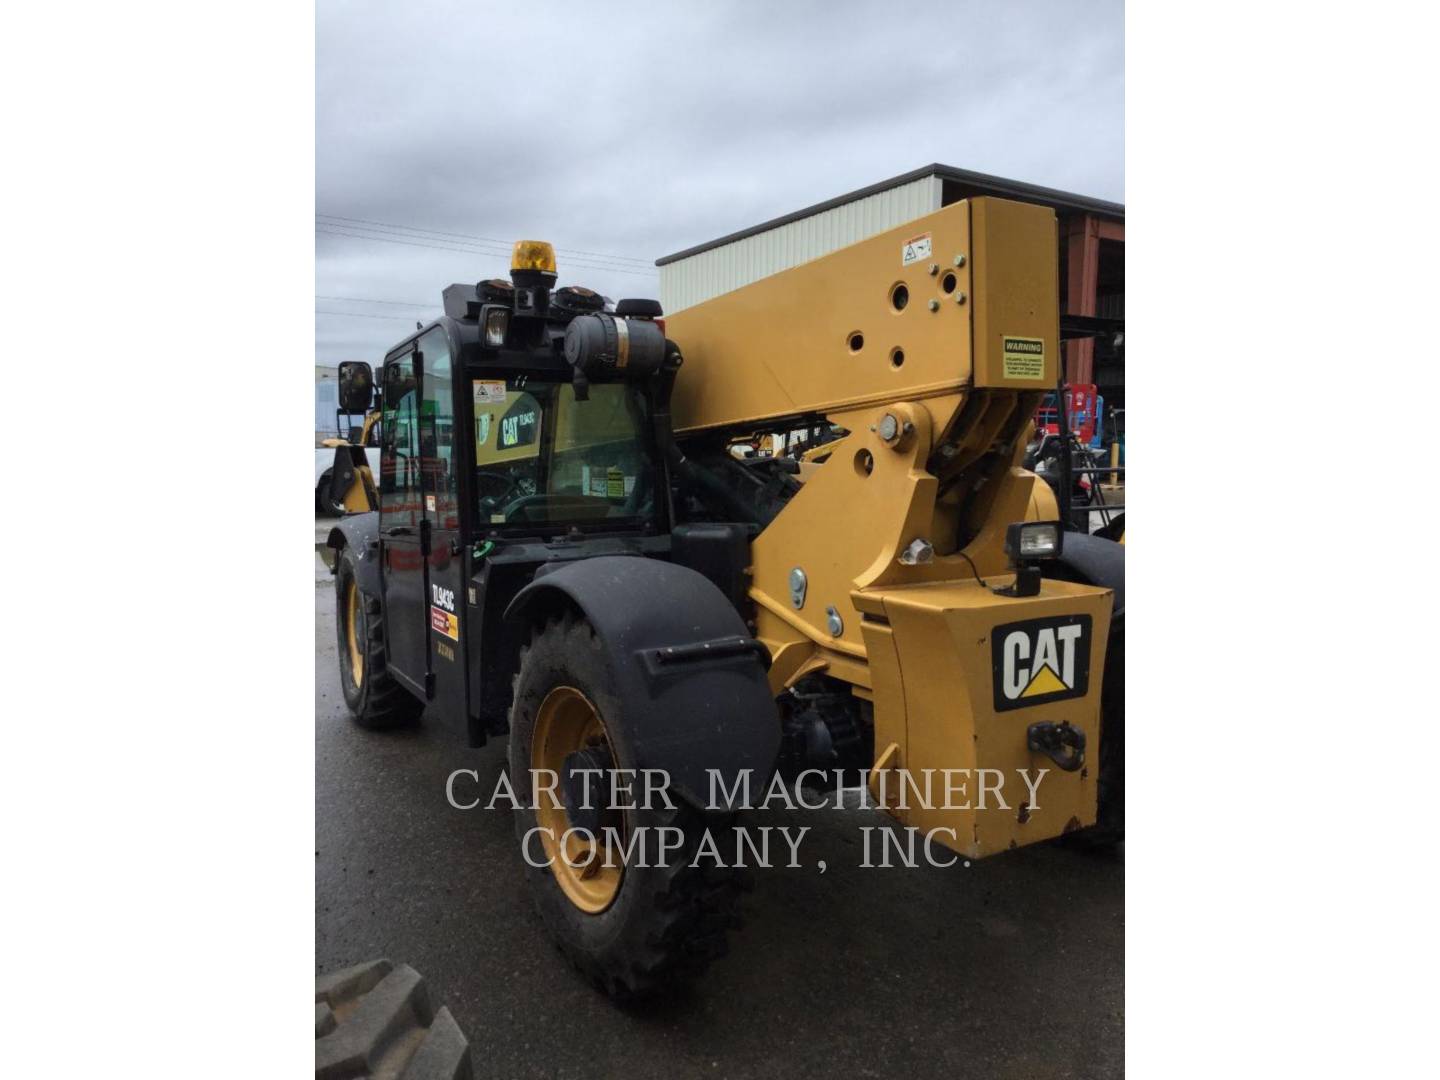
pixel 382 702
pixel 687 914
pixel 381 1024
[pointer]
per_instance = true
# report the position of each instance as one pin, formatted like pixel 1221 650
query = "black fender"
pixel 691 677
pixel 360 533
pixel 1095 561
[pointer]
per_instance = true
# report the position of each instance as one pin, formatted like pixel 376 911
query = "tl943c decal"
pixel 442 612
pixel 1040 660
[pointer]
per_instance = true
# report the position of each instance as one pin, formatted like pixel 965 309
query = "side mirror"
pixel 357 387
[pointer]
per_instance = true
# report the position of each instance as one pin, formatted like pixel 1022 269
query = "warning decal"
pixel 1023 358
pixel 1040 660
pixel 488 391
pixel 444 622
pixel 915 249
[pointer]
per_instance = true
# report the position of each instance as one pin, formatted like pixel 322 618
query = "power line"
pixel 506 244
pixel 410 243
pixel 366 300
pixel 494 246
pixel 421 241
pixel 364 315
pixel 458 246
pixel 462 246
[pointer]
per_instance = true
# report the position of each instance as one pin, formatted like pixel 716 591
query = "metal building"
pixel 327 400
pixel 1092 251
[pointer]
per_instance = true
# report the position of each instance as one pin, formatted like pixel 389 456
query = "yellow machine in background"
pixel 352 486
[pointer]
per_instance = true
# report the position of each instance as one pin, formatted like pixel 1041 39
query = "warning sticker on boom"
pixel 915 249
pixel 1023 358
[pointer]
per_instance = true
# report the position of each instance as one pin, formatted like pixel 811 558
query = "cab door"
pixel 441 449
pixel 404 530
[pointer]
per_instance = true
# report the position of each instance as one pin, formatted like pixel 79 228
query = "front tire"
pixel 638 930
pixel 376 699
pixel 1110 823
pixel 1108 832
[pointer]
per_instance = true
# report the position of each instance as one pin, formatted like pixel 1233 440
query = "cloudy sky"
pixel 621 132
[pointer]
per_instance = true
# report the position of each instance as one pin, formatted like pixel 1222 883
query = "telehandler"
pixel 565 551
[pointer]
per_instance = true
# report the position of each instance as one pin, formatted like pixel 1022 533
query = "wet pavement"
pixel 1010 968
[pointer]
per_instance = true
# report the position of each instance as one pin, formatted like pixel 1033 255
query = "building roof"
pixel 968 184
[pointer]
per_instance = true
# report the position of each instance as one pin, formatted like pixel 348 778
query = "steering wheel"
pixel 502 487
pixel 519 510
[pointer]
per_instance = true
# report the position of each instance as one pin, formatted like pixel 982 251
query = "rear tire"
pixel 374 696
pixel 665 924
pixel 325 506
pixel 1108 832
pixel 376 1019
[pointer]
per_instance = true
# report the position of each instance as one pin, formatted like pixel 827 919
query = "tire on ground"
pixel 325 506
pixel 376 1020
pixel 1110 823
pixel 376 699
pixel 666 924
pixel 1109 827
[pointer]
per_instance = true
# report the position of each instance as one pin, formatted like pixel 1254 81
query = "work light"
pixel 497 320
pixel 1026 540
pixel 1026 543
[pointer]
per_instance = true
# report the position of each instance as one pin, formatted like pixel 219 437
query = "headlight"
pixel 497 319
pixel 1028 540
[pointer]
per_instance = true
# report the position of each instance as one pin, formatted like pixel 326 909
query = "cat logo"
pixel 1040 660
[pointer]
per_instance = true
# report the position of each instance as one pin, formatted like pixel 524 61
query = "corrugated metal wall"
pixel 720 270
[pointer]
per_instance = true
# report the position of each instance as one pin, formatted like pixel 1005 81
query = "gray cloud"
pixel 639 129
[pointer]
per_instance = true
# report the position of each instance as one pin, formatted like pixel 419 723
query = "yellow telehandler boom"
pixel 931 345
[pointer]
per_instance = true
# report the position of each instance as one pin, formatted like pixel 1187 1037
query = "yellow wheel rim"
pixel 352 632
pixel 566 722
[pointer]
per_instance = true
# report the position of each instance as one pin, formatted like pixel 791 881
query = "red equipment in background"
pixel 1080 410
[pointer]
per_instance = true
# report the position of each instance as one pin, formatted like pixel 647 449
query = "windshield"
pixel 541 457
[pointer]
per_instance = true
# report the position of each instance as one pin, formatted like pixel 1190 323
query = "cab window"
pixel 437 429
pixel 541 456
pixel 400 446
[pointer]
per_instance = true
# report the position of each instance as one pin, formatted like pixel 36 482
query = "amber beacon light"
pixel 533 255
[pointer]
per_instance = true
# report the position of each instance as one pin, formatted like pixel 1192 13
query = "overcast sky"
pixel 630 131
